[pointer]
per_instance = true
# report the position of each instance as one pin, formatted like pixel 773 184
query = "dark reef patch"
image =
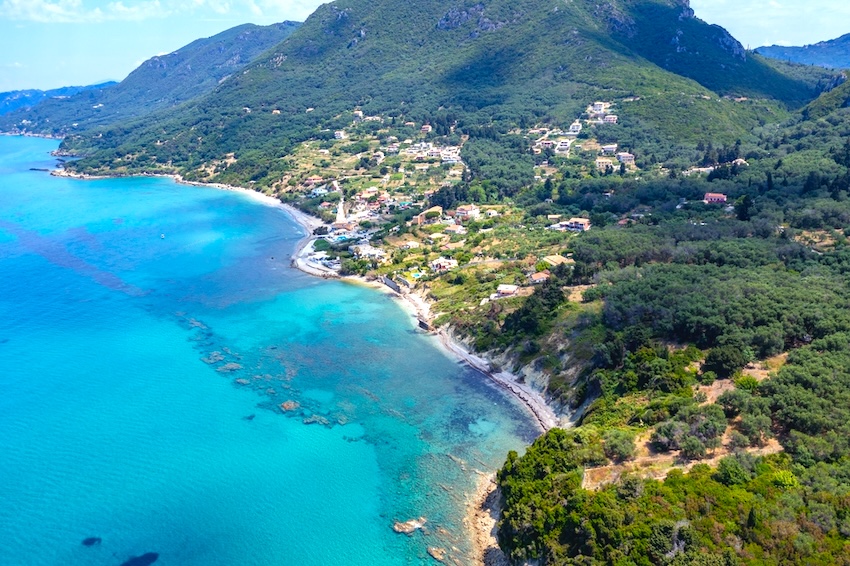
pixel 144 560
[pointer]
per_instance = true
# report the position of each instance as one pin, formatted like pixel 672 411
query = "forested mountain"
pixel 160 83
pixel 699 331
pixel 834 54
pixel 482 67
pixel 13 100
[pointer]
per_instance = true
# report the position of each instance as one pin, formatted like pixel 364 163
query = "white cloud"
pixel 97 11
pixel 74 11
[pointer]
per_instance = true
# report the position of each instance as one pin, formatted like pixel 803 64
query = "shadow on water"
pixel 92 541
pixel 143 560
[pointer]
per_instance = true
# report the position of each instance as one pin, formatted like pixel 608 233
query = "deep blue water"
pixel 121 416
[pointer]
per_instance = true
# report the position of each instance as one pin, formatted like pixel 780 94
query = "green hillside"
pixel 707 359
pixel 160 83
pixel 699 331
pixel 483 67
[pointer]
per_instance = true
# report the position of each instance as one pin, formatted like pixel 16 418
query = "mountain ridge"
pixel 28 98
pixel 161 82
pixel 833 53
pixel 490 65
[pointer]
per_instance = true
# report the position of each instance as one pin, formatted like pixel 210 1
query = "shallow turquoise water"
pixel 120 417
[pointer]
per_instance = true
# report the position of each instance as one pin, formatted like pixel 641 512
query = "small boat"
pixel 162 236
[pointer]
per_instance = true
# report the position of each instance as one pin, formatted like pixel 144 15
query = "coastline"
pixel 413 302
pixel 483 509
pixel 484 505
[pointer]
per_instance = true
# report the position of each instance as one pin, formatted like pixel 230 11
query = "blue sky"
pixel 52 43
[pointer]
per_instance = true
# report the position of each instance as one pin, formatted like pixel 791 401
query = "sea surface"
pixel 149 333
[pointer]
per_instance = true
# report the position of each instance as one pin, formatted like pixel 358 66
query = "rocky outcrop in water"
pixel 409 527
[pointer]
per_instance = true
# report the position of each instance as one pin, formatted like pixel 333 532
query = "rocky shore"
pixel 482 517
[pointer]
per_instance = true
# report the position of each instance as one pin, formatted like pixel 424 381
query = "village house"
pixel 609 149
pixel 563 146
pixel 411 245
pixel 603 164
pixel 313 180
pixel 426 129
pixel 442 264
pixel 344 226
pixel 599 107
pixel 539 277
pixel 467 212
pixel 575 128
pixel 572 225
pixel 507 290
pixel 339 135
pixel 365 251
pixel 626 158
pixel 327 205
pixel 318 192
pixel 714 198
pixel 610 119
pixel 577 224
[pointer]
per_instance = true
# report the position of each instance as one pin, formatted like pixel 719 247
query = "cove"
pixel 149 334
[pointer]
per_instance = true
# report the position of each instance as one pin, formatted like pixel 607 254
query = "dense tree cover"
pixel 781 509
pixel 765 274
pixel 749 510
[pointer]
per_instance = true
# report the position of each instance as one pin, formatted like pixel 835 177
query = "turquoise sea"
pixel 148 334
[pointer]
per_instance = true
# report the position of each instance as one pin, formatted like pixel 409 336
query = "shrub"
pixel 619 445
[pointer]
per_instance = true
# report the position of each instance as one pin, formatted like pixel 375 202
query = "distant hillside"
pixel 483 67
pixel 160 82
pixel 833 54
pixel 16 99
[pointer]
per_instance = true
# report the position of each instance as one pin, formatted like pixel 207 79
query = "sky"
pixel 51 43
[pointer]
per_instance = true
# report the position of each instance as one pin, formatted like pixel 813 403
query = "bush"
pixel 708 378
pixel 693 448
pixel 747 383
pixel 619 445
pixel 731 472
pixel 726 360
